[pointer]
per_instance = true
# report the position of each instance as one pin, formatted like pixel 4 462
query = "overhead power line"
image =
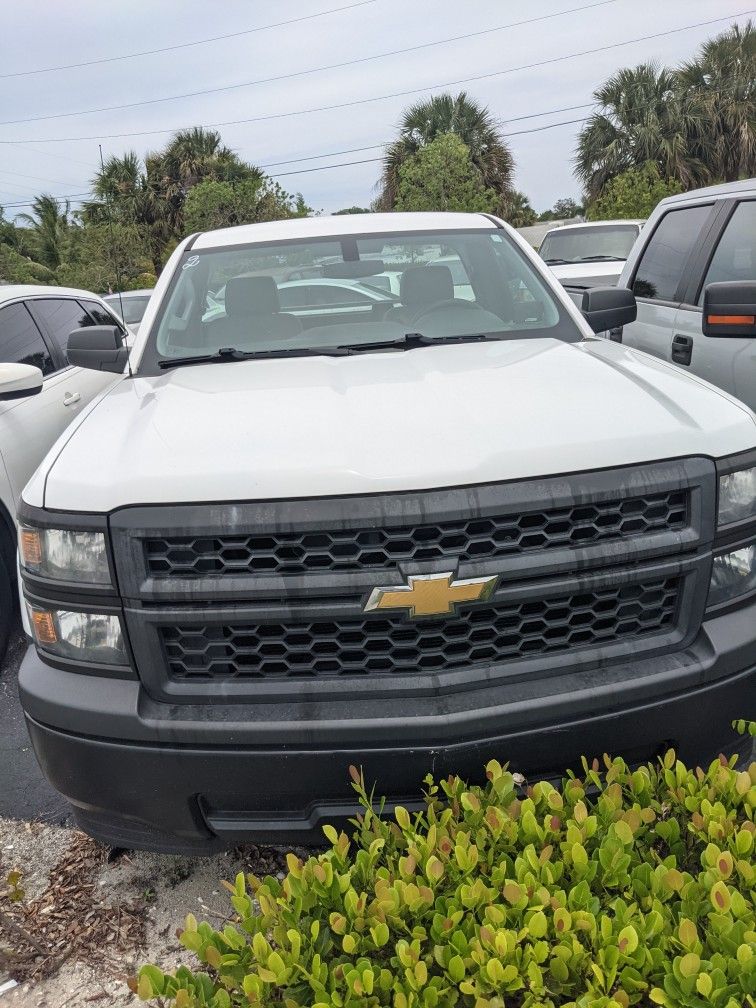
pixel 68 196
pixel 37 178
pixel 187 45
pixel 305 73
pixel 395 94
pixel 55 154
pixel 385 143
pixel 341 164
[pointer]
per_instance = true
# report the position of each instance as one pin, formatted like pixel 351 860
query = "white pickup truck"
pixel 693 272
pixel 589 254
pixel 410 536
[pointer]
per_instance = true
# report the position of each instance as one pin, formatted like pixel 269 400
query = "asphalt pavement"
pixel 24 792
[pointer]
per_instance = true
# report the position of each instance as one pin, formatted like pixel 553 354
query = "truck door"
pixel 729 362
pixel 659 277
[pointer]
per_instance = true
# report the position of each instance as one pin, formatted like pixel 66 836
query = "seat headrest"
pixel 424 285
pixel 256 295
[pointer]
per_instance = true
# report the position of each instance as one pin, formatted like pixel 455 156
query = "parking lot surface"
pixel 24 792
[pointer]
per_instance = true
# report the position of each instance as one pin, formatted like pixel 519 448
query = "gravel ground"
pixel 150 893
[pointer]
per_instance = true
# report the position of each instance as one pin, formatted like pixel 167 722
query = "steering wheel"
pixel 443 306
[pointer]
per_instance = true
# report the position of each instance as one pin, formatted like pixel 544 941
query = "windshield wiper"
pixel 601 258
pixel 407 342
pixel 226 354
pixel 559 262
pixel 412 340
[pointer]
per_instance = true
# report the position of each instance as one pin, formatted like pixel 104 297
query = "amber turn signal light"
pixel 44 627
pixel 731 319
pixel 31 547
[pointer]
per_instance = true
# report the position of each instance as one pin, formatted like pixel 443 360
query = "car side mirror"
pixel 729 309
pixel 19 381
pixel 608 307
pixel 99 348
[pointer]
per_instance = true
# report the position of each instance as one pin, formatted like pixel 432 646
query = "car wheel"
pixel 7 604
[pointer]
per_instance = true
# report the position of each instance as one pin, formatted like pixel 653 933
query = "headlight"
pixel 81 636
pixel 64 555
pixel 737 496
pixel 733 575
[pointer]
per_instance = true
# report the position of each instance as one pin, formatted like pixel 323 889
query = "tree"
pixel 211 204
pixel 564 209
pixel 48 225
pixel 19 269
pixel 151 195
pixel 720 89
pixel 426 121
pixel 643 117
pixel 127 194
pixel 351 210
pixel 192 156
pixel 518 212
pixel 632 194
pixel 107 256
pixel 442 176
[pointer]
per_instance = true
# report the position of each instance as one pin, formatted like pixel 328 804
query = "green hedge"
pixel 621 888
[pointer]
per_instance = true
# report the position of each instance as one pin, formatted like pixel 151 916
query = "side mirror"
pixel 18 381
pixel 729 309
pixel 608 307
pixel 99 348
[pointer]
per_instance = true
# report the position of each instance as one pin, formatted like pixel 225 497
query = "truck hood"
pixel 417 419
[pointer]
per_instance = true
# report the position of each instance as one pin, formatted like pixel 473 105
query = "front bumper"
pixel 196 778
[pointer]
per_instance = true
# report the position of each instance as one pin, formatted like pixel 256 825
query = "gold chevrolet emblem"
pixel 432 594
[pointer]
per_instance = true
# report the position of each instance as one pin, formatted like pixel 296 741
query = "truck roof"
pixel 723 190
pixel 342 224
pixel 596 224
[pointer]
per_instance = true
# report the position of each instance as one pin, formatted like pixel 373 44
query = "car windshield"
pixel 133 307
pixel 586 244
pixel 360 292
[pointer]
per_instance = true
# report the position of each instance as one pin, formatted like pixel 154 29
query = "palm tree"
pixel 427 120
pixel 48 224
pixel 720 85
pixel 149 196
pixel 196 154
pixel 518 212
pixel 644 117
pixel 193 155
pixel 118 190
pixel 128 194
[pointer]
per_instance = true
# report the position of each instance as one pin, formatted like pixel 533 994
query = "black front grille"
pixel 470 539
pixel 393 644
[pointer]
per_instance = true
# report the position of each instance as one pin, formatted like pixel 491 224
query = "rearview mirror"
pixel 99 348
pixel 729 309
pixel 608 307
pixel 18 381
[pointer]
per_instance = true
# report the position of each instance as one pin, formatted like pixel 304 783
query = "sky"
pixel 58 150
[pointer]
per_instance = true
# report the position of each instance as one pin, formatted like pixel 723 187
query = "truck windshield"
pixel 358 290
pixel 589 244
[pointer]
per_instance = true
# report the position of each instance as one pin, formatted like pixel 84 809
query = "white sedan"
pixel 35 323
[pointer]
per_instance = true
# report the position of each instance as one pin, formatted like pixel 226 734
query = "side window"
pixel 664 257
pixel 99 314
pixel 735 256
pixel 20 340
pixel 61 317
pixel 294 297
